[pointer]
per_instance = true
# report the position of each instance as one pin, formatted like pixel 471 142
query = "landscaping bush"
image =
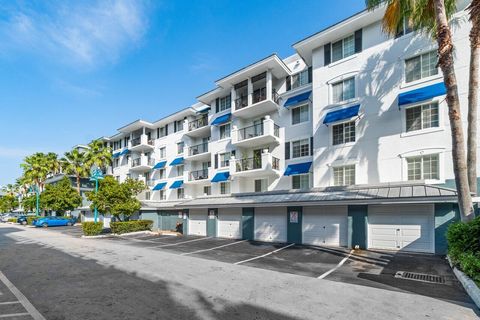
pixel 14 220
pixel 30 220
pixel 464 247
pixel 130 226
pixel 92 228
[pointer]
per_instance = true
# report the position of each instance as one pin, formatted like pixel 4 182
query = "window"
pixel 117 178
pixel 179 170
pixel 300 148
pixel 178 126
pixel 224 187
pixel 180 147
pixel 163 152
pixel 224 103
pixel 161 132
pixel 405 27
pixel 225 159
pixel 344 176
pixel 162 195
pixel 300 79
pixel 422 66
pixel 225 131
pixel 423 167
pixel 301 181
pixel 180 193
pixel 147 195
pixel 207 190
pixel 261 185
pixel 161 174
pixel 116 163
pixel 422 117
pixel 343 132
pixel 343 90
pixel 343 48
pixel 117 145
pixel 300 114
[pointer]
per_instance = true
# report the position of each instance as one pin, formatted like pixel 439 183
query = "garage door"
pixel 197 222
pixel 229 223
pixel 325 226
pixel 406 228
pixel 271 224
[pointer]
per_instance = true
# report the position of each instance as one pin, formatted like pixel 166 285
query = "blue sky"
pixel 74 71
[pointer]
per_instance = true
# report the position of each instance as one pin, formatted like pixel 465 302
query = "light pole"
pixel 95 175
pixel 35 189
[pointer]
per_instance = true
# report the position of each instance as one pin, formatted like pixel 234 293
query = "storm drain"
pixel 422 277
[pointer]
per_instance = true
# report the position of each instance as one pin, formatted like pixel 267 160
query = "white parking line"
pixel 336 267
pixel 210 249
pixel 264 255
pixel 11 315
pixel 23 300
pixel 9 302
pixel 174 244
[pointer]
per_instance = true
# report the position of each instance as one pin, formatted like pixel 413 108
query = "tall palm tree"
pixel 98 154
pixel 53 163
pixel 75 163
pixel 433 16
pixel 35 170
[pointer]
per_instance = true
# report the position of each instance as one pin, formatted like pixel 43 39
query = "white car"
pixel 6 216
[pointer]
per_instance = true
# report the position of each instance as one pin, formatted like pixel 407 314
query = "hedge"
pixel 14 220
pixel 92 228
pixel 464 247
pixel 31 219
pixel 130 226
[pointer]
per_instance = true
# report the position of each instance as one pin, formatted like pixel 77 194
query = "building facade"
pixel 344 143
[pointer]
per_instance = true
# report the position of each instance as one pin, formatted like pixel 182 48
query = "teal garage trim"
pixel 248 216
pixel 445 214
pixel 212 222
pixel 357 226
pixel 294 224
pixel 153 216
pixel 185 221
pixel 169 219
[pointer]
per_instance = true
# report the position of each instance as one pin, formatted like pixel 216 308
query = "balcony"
pixel 260 134
pixel 198 176
pixel 150 183
pixel 141 144
pixel 142 164
pixel 198 127
pixel 198 152
pixel 264 165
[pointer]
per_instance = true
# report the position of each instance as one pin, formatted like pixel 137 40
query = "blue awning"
pixel 160 165
pixel 116 155
pixel 302 97
pixel 177 161
pixel 222 119
pixel 159 186
pixel 221 176
pixel 298 168
pixel 177 184
pixel 124 152
pixel 422 94
pixel 342 114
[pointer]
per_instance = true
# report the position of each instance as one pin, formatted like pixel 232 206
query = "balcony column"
pixel 234 134
pixel 250 91
pixel 185 125
pixel 233 97
pixel 268 126
pixel 266 159
pixel 233 165
pixel 269 84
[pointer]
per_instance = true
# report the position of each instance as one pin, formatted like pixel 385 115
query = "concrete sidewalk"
pixel 211 287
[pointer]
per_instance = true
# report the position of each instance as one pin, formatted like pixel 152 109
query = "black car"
pixel 22 220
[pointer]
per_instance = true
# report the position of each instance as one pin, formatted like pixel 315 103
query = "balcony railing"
pixel 275 163
pixel 151 162
pixel 150 183
pixel 136 162
pixel 241 102
pixel 276 131
pixel 198 123
pixel 198 175
pixel 198 149
pixel 250 132
pixel 259 95
pixel 248 164
pixel 136 141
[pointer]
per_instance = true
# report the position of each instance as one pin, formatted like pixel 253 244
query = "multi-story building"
pixel 344 143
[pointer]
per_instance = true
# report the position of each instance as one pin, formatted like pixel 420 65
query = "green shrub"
pixel 91 228
pixel 14 220
pixel 464 247
pixel 131 226
pixel 30 220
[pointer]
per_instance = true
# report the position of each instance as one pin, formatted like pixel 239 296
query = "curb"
pixel 97 237
pixel 133 233
pixel 468 284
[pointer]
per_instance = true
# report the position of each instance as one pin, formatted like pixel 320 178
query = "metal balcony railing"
pixel 259 95
pixel 198 123
pixel 241 102
pixel 198 175
pixel 151 142
pixel 136 141
pixel 248 164
pixel 275 163
pixel 198 149
pixel 250 132
pixel 136 162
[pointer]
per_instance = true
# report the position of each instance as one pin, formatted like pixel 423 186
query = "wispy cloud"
pixel 13 152
pixel 82 33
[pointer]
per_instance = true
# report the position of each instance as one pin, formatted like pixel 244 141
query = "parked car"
pixel 4 217
pixel 54 221
pixel 23 219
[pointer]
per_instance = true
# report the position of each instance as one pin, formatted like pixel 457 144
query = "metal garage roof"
pixel 366 194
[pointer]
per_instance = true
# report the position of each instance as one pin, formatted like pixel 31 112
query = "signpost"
pixel 35 189
pixel 95 175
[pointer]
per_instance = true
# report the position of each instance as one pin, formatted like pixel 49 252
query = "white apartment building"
pixel 344 143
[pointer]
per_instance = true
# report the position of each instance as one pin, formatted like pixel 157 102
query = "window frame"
pixel 305 177
pixel 422 106
pixel 421 78
pixel 299 76
pixel 226 163
pixel 180 151
pixel 164 148
pixel 225 187
pixel 352 36
pixel 292 154
pixel 342 82
pixel 343 172
pixel 227 103
pixel 422 167
pixel 343 125
pixel 180 193
pixel 228 133
pixel 300 114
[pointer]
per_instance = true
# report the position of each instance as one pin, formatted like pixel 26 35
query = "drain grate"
pixel 422 277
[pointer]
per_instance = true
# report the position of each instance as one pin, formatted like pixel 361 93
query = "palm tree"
pixel 35 169
pixel 53 163
pixel 75 163
pixel 433 16
pixel 98 154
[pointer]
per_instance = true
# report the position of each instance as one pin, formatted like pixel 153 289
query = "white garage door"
pixel 271 224
pixel 325 226
pixel 229 223
pixel 197 222
pixel 405 227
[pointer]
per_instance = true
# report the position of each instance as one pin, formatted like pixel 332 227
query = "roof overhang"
pixel 135 125
pixel 349 25
pixel 211 95
pixel 173 117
